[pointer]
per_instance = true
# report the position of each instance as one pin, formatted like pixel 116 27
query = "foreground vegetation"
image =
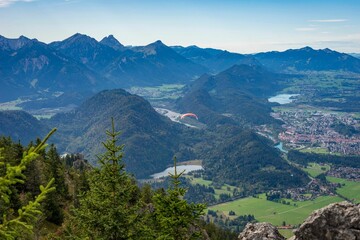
pixel 81 202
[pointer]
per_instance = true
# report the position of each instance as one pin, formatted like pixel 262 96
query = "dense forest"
pixel 45 196
pixel 305 158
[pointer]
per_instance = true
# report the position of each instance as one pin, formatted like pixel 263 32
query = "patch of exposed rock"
pixel 260 231
pixel 336 221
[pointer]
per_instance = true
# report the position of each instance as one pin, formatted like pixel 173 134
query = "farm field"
pixel 225 189
pixel 275 213
pixel 315 169
pixel 350 189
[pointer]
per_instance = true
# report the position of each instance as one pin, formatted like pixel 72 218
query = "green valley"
pixel 275 213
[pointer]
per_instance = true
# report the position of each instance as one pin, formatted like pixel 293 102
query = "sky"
pixel 244 26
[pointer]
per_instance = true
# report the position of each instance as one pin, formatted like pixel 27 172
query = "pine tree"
pixel 55 201
pixel 175 218
pixel 15 225
pixel 110 209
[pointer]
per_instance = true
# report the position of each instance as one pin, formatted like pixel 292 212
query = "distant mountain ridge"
pixel 214 59
pixel 35 67
pixel 86 50
pixel 308 59
pixel 29 66
pixel 84 63
pixel 151 65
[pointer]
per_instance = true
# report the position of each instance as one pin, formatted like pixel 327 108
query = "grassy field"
pixel 226 189
pixel 350 189
pixel 275 213
pixel 315 169
pixel 317 150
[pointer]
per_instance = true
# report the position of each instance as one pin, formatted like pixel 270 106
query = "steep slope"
pixel 308 59
pixel 36 67
pixel 149 138
pixel 243 158
pixel 154 64
pixel 213 59
pixel 238 92
pixel 21 126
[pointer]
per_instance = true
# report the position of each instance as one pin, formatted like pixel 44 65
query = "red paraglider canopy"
pixel 189 115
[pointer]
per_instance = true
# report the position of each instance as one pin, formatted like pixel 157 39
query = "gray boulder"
pixel 336 221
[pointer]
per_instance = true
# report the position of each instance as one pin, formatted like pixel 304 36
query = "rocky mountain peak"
pixel 112 42
pixel 306 49
pixel 75 40
pixel 14 44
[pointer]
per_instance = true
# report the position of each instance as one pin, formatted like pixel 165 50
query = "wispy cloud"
pixel 328 20
pixel 6 3
pixel 306 29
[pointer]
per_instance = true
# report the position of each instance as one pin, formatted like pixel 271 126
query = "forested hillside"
pixel 150 139
pixel 234 95
pixel 80 201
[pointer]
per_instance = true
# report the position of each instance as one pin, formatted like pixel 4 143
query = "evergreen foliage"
pixel 55 201
pixel 175 218
pixel 16 225
pixel 110 208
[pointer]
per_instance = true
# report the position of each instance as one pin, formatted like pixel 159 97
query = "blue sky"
pixel 244 26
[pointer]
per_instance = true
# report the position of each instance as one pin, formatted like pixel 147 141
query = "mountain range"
pixel 29 66
pixel 308 59
pixel 81 63
pixel 215 60
pixel 228 92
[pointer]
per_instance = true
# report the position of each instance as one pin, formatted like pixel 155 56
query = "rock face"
pixel 336 221
pixel 260 231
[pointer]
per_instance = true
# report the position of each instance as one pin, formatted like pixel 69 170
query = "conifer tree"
pixel 175 218
pixel 55 201
pixel 110 209
pixel 16 225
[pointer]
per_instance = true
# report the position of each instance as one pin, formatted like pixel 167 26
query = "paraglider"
pixel 189 115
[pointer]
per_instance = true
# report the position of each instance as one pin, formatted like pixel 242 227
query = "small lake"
pixel 187 168
pixel 281 148
pixel 283 98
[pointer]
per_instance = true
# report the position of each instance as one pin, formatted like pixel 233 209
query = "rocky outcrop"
pixel 260 231
pixel 336 221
